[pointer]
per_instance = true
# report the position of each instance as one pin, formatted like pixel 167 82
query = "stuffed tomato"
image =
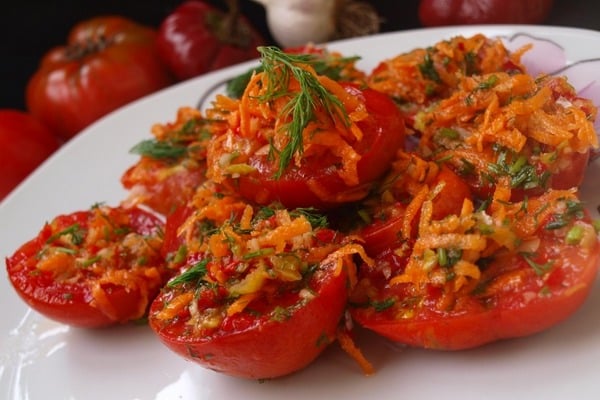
pixel 171 165
pixel 92 268
pixel 261 290
pixel 499 270
pixel 300 138
pixel 534 131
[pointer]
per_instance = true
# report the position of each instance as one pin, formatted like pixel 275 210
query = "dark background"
pixel 30 28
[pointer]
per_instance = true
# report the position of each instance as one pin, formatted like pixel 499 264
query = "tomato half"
pixel 92 268
pixel 261 290
pixel 171 165
pixel 25 143
pixel 106 63
pixel 507 292
pixel 504 126
pixel 423 76
pixel 274 337
pixel 316 182
pixel 384 232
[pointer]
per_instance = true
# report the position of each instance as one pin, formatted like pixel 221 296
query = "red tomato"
pixel 25 143
pixel 519 293
pixel 569 173
pixel 258 344
pixel 317 183
pixel 107 63
pixel 171 166
pixel 197 38
pixel 383 233
pixel 261 296
pixel 92 268
pixel 162 192
pixel 459 12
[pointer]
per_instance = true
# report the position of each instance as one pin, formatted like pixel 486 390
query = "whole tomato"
pixel 106 63
pixel 25 143
pixel 459 12
pixel 197 38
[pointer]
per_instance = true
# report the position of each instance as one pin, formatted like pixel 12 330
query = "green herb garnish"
pixel 159 149
pixel 427 68
pixel 279 68
pixel 194 274
pixel 316 219
pixel 383 305
pixel 540 269
pixel 76 232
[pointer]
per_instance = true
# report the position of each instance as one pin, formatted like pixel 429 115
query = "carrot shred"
pixel 348 345
pixel 175 306
pixel 240 303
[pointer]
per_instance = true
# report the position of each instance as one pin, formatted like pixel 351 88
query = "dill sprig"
pixel 279 67
pixel 194 274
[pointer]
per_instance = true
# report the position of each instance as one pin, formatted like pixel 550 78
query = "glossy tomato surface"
pixel 260 290
pixel 317 182
pixel 275 338
pixel 171 165
pixel 198 37
pixel 383 231
pixel 25 144
pixel 106 63
pixel 519 293
pixel 459 12
pixel 92 268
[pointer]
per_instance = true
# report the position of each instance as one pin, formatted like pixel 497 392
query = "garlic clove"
pixel 298 22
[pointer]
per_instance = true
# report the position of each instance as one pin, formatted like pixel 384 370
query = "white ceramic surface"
pixel 41 359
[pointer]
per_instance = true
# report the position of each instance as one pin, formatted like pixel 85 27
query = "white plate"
pixel 41 359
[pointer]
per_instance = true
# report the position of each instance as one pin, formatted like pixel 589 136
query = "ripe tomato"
pixel 197 38
pixel 25 143
pixel 459 12
pixel 317 182
pixel 384 231
pixel 532 162
pixel 92 268
pixel 512 292
pixel 275 337
pixel 171 166
pixel 261 296
pixel 106 63
pixel 423 76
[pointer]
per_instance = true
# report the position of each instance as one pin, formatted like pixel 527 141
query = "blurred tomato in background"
pixel 106 63
pixel 24 144
pixel 464 12
pixel 197 38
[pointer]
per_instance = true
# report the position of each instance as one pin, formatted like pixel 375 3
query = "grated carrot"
pixel 175 306
pixel 348 345
pixel 240 303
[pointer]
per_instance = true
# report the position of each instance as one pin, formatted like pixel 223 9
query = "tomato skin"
pixel 523 305
pixel 172 240
pixel 25 143
pixel 106 63
pixel 317 183
pixel 574 171
pixel 258 347
pixel 383 234
pixel 197 38
pixel 162 192
pixel 72 301
pixel 459 12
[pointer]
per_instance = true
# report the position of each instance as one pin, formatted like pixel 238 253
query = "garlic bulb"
pixel 298 22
